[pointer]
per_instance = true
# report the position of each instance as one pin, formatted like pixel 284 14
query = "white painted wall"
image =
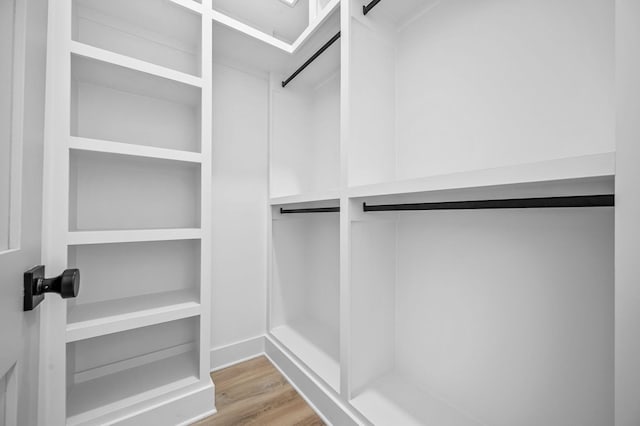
pixel 478 85
pixel 485 329
pixel 306 134
pixel 486 84
pixel 627 213
pixel 490 330
pixel 240 132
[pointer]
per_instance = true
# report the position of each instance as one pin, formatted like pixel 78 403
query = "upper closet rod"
pixel 311 210
pixel 311 59
pixel 367 8
pixel 513 203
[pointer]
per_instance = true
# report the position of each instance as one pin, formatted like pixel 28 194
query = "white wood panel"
pixel 160 32
pixel 577 169
pixel 133 63
pixel 130 192
pixel 131 236
pixel 240 192
pixel 627 234
pixel 96 319
pixel 109 147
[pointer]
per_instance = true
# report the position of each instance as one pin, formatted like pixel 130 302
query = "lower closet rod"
pixel 606 200
pixel 311 210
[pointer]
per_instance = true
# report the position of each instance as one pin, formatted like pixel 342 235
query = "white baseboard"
pixel 181 407
pixel 225 356
pixel 332 409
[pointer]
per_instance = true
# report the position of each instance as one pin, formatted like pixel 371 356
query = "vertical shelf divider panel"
pixel 206 111
pixel 188 389
pixel 345 203
pixel 53 358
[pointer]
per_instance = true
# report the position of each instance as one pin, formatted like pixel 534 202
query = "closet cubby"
pixel 115 103
pixel 156 31
pixel 475 317
pixel 305 121
pixel 158 194
pixel 114 371
pixel 124 285
pixel 305 290
pixel 440 87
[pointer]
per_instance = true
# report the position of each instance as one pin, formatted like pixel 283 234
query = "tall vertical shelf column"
pixel 127 200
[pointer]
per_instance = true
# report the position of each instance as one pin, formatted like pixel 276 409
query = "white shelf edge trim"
pixel 189 4
pixel 96 145
pixel 306 198
pixel 114 324
pixel 582 167
pixel 268 39
pixel 77 238
pixel 102 55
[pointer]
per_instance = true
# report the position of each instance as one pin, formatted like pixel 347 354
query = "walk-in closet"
pixel 375 212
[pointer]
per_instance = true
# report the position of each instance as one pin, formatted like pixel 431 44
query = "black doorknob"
pixel 36 285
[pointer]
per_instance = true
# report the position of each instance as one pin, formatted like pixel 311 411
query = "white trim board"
pixel 235 353
pixel 327 404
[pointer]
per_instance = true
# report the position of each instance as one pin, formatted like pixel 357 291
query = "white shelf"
pixel 189 4
pixel 129 236
pixel 330 195
pixel 96 71
pixel 103 55
pixel 96 145
pixel 94 398
pixel 96 319
pixel 392 400
pixel 574 168
pixel 316 345
pixel 290 48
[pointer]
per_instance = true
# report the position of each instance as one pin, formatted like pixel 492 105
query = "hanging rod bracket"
pixel 311 59
pixel 607 200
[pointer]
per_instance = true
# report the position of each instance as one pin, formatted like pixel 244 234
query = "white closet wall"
pixel 443 87
pixel 240 144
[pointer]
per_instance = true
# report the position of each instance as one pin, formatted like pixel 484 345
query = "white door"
pixel 22 60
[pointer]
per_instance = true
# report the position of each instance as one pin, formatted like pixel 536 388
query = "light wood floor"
pixel 255 393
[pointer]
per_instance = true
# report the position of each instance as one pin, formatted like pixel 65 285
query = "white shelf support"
pixel 205 187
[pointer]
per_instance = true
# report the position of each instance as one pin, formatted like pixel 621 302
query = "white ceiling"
pixel 270 16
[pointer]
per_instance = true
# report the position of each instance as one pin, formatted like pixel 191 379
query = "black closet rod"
pixel 312 58
pixel 311 210
pixel 366 9
pixel 513 203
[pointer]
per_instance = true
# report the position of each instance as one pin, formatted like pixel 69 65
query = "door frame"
pixel 52 371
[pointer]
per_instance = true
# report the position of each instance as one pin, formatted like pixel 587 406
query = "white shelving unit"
pixel 439 88
pixel 114 371
pixel 454 318
pixel 305 297
pixel 305 121
pixel 130 134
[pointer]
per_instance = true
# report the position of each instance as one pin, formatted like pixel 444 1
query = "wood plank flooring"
pixel 255 393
